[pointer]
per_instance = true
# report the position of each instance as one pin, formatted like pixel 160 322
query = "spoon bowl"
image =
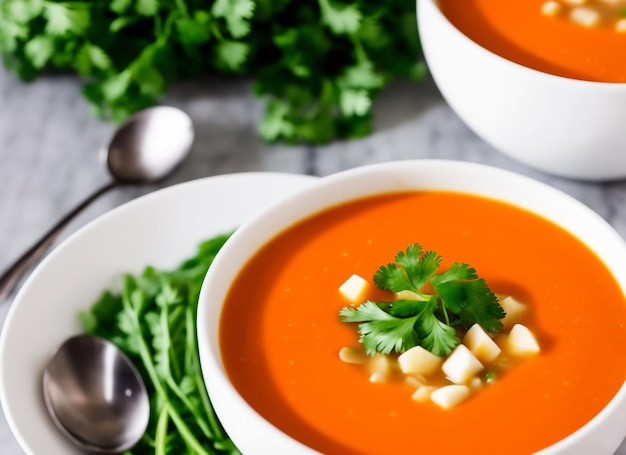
pixel 149 145
pixel 95 395
pixel 146 148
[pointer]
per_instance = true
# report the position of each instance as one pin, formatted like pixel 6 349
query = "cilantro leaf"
pixel 380 331
pixel 237 14
pixel 343 19
pixel 39 50
pixel 63 18
pixel 437 336
pixel 444 300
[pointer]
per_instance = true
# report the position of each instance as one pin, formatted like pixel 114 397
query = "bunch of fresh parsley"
pixel 318 64
pixel 443 301
pixel 153 320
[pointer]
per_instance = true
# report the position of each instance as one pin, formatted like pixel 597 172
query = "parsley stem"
pixel 169 379
pixel 144 353
pixel 361 55
pixel 182 7
pixel 445 312
pixel 160 439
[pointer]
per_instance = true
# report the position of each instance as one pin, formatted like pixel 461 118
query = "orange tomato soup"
pixel 280 331
pixel 518 31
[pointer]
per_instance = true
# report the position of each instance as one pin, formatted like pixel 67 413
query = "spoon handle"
pixel 15 272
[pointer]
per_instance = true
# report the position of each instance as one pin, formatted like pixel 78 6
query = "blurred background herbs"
pixel 317 64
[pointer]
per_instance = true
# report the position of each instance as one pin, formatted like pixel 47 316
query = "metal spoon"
pixel 95 395
pixel 144 149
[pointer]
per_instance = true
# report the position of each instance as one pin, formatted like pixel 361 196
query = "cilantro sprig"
pixel 442 301
pixel 317 64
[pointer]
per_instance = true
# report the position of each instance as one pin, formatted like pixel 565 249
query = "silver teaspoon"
pixel 95 395
pixel 144 149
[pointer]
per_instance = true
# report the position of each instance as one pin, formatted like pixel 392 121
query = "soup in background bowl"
pixel 540 88
pixel 270 332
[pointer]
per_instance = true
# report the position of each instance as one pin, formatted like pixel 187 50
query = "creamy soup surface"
pixel 280 331
pixel 557 43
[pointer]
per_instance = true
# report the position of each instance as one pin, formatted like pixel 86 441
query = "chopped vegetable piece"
pixel 351 355
pixel 585 16
pixel 514 309
pixel 481 344
pixel 449 396
pixel 461 365
pixel 551 8
pixel 521 341
pixel 418 360
pixel 422 394
pixel 354 288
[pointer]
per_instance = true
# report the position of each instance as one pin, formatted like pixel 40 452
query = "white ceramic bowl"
pixel 161 229
pixel 251 432
pixel 566 127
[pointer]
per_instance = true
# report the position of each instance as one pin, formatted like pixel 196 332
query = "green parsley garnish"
pixel 318 65
pixel 446 300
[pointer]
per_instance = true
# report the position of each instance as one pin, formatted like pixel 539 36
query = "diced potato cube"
pixel 407 295
pixel 354 289
pixel 449 396
pixel 378 378
pixel 419 360
pixel 521 341
pixel 551 8
pixel 381 364
pixel 620 26
pixel 481 344
pixel 514 310
pixel 584 16
pixel 476 383
pixel 422 394
pixel 461 365
pixel 350 355
pixel 415 380
pixel 575 2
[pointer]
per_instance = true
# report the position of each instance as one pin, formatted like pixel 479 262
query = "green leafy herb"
pixel 153 321
pixel 443 301
pixel 317 64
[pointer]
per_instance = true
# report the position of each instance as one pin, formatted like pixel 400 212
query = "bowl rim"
pixel 212 365
pixel 431 7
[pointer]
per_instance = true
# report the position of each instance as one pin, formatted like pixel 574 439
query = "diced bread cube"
pixel 521 342
pixel 449 396
pixel 584 16
pixel 514 309
pixel 354 289
pixel 551 8
pixel 419 361
pixel 481 344
pixel 422 394
pixel 461 365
